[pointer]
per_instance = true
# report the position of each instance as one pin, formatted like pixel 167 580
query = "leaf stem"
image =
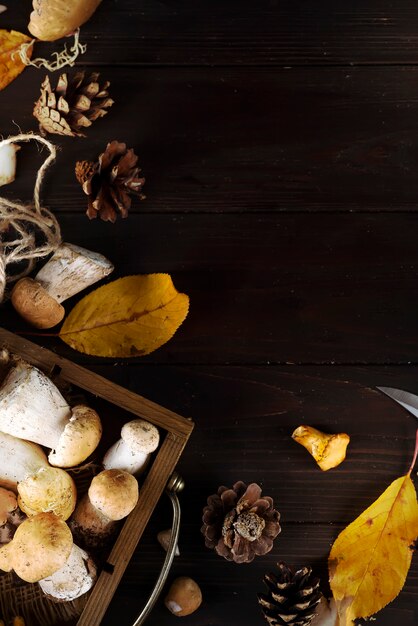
pixel 415 454
pixel 33 334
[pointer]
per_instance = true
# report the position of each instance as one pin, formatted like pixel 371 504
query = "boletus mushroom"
pixel 40 547
pixel 24 468
pixel 70 270
pixel 53 19
pixel 132 451
pixel 32 408
pixel 112 495
pixel 10 515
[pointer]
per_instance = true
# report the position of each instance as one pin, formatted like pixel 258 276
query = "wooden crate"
pixel 177 429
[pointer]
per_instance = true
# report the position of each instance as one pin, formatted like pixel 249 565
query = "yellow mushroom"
pixel 327 450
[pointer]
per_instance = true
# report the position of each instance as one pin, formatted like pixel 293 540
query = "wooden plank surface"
pixel 279 142
pixel 339 139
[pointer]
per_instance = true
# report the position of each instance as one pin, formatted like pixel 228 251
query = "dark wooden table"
pixel 279 140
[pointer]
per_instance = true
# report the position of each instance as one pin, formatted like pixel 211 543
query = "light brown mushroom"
pixel 112 495
pixel 70 270
pixel 53 19
pixel 40 547
pixel 32 408
pixel 10 515
pixel 184 596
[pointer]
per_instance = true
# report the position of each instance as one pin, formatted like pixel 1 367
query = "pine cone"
pixel 109 181
pixel 240 524
pixel 292 597
pixel 72 105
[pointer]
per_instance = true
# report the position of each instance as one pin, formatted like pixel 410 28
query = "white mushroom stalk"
pixel 112 495
pixel 32 408
pixel 132 451
pixel 70 270
pixel 8 162
pixel 74 579
pixel 19 459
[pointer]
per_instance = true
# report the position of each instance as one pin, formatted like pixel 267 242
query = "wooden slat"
pixel 243 32
pixel 248 140
pixel 280 288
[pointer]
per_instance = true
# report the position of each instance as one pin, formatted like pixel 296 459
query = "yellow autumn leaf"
pixel 370 559
pixel 131 316
pixel 10 63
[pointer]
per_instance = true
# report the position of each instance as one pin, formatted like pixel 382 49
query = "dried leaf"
pixel 370 559
pixel 131 316
pixel 10 63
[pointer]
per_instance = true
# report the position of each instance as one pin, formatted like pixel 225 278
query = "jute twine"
pixel 63 58
pixel 34 230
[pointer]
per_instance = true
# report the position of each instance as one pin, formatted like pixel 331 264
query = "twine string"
pixel 63 58
pixel 35 230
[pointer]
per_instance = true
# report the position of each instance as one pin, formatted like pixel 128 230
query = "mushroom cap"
pixel 79 439
pixel 114 493
pixel 50 489
pixel 35 305
pixel 140 436
pixel 40 547
pixel 8 503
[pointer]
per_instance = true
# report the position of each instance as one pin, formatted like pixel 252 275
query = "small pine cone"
pixel 239 523
pixel 73 105
pixel 109 181
pixel 292 598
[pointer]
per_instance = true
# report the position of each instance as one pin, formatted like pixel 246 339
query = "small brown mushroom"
pixel 10 515
pixel 40 547
pixel 112 495
pixel 164 537
pixel 184 597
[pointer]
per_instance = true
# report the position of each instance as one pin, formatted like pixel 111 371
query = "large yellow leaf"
pixel 370 559
pixel 10 63
pixel 131 316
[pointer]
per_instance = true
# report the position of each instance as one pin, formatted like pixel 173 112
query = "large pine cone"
pixel 73 105
pixel 109 181
pixel 292 597
pixel 240 524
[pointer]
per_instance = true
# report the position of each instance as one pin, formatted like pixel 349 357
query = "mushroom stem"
pixel 70 270
pixel 75 578
pixel 19 459
pixel 132 451
pixel 31 407
pixel 8 162
pixel 112 495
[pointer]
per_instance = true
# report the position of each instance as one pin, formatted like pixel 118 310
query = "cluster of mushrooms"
pixel 45 532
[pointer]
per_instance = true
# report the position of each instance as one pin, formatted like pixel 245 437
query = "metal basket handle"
pixel 174 486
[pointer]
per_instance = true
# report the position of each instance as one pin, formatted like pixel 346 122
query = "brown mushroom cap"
pixel 40 547
pixel 79 439
pixel 8 503
pixel 140 436
pixel 35 304
pixel 50 489
pixel 114 493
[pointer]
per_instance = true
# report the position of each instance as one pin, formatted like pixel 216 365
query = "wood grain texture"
pixel 234 140
pixel 279 143
pixel 244 32
pixel 333 288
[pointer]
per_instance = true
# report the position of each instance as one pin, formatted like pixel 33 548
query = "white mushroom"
pixel 32 408
pixel 132 452
pixel 8 162
pixel 24 468
pixel 112 495
pixel 70 270
pixel 40 547
pixel 75 578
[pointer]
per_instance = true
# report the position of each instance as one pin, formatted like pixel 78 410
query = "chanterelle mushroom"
pixel 112 495
pixel 70 270
pixel 31 407
pixel 40 547
pixel 132 451
pixel 73 579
